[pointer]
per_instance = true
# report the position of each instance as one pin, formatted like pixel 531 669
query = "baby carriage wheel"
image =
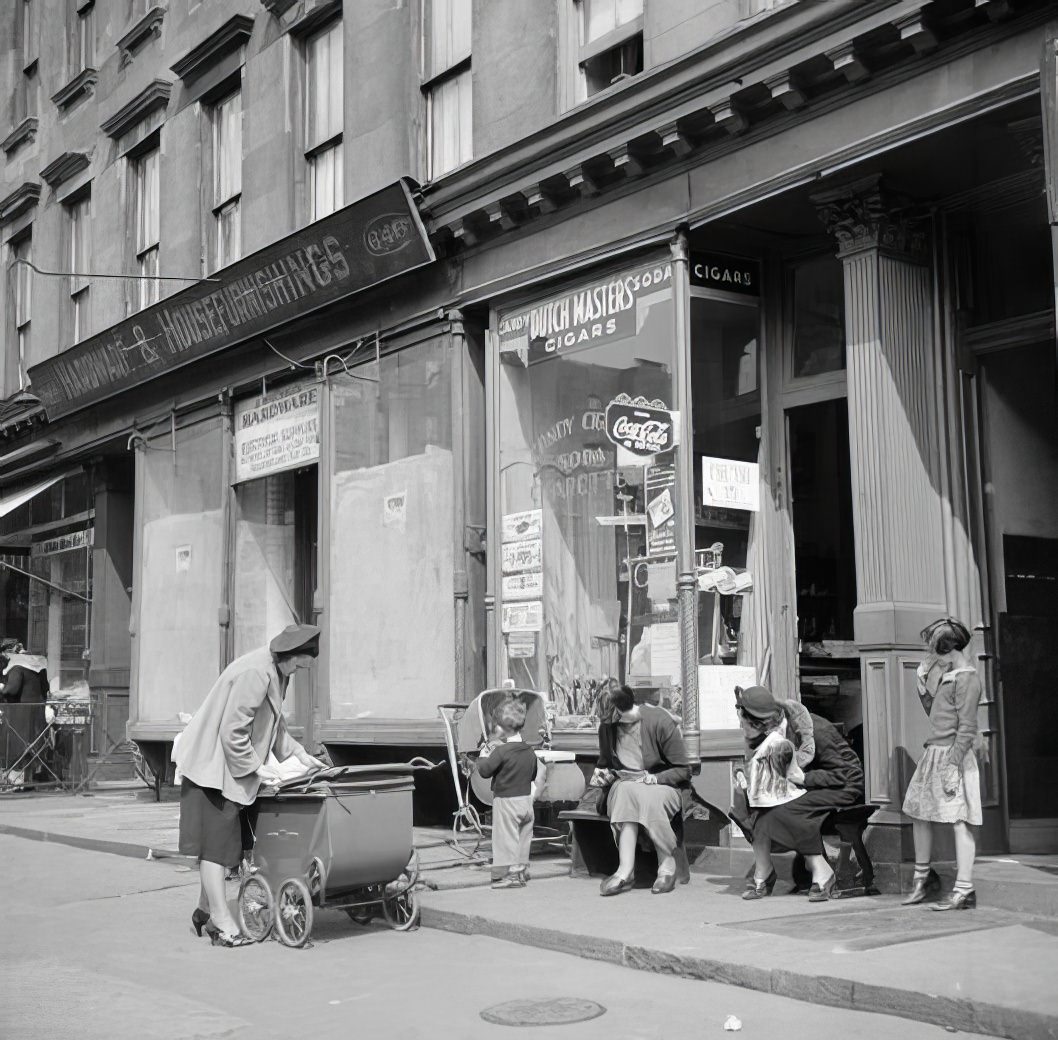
pixel 361 915
pixel 294 914
pixel 401 910
pixel 256 908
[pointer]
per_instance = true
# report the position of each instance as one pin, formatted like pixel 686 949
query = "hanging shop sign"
pixel 734 274
pixel 63 543
pixel 730 484
pixel 603 312
pixel 277 431
pixel 354 248
pixel 643 428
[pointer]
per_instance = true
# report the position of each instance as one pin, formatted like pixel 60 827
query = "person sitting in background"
pixel 25 681
pixel 643 758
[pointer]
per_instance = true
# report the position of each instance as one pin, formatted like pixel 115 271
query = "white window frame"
pixel 324 62
pixel 146 208
pixel 30 34
pixel 447 85
pixel 79 223
pixel 22 310
pixel 626 27
pixel 226 135
pixel 82 38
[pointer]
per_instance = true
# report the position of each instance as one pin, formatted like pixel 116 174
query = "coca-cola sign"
pixel 641 427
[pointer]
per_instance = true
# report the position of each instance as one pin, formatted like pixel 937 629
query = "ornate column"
pixel 895 450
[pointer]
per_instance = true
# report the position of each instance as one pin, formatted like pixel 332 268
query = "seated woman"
pixel 641 751
pixel 833 779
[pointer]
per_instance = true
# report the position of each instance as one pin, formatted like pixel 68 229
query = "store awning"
pixel 11 500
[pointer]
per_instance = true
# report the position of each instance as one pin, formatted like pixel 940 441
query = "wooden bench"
pixel 848 826
pixel 593 852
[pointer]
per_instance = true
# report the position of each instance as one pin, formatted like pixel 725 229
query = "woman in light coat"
pixel 222 756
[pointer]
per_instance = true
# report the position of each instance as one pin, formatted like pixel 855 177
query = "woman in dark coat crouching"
pixel 833 779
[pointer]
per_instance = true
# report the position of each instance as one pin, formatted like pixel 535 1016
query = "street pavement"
pixel 98 947
pixel 988 971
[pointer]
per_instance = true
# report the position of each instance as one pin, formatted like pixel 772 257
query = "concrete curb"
pixel 965 1015
pixel 114 848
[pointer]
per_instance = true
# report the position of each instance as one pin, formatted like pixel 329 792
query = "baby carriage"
pixel 468 726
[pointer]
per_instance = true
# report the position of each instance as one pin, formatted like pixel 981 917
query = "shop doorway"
pixel 275 553
pixel 825 563
pixel 1019 425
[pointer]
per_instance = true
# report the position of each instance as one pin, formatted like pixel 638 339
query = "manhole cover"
pixel 550 1011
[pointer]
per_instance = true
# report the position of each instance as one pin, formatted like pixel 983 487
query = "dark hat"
pixel 758 703
pixel 297 638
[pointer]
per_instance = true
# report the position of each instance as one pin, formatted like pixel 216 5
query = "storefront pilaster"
pixel 896 468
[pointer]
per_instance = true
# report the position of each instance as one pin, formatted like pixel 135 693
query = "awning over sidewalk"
pixel 11 500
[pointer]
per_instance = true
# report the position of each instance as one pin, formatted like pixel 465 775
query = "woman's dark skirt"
pixel 797 826
pixel 209 825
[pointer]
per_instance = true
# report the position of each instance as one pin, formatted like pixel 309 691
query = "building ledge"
pixel 232 35
pixel 24 197
pixel 278 8
pixel 141 32
pixel 64 168
pixel 24 133
pixel 148 100
pixel 82 85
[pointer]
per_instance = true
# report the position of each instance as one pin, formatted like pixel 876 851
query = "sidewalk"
pixel 987 971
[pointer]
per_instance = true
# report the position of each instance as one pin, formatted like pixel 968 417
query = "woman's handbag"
pixel 593 800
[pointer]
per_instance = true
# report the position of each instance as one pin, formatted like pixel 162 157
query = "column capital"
pixel 864 215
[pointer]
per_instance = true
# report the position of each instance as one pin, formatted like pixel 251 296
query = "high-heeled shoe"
pixel 821 893
pixel 965 899
pixel 219 938
pixel 923 887
pixel 759 889
pixel 199 920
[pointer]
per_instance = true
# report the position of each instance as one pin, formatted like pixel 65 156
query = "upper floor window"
pixel 611 43
pixel 227 179
pixel 21 286
pixel 146 186
pixel 82 37
pixel 26 90
pixel 30 33
pixel 79 217
pixel 324 110
pixel 447 85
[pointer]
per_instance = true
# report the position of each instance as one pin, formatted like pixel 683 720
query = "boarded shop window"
pixel 587 561
pixel 447 84
pixel 180 569
pixel 324 119
pixel 227 180
pixel 391 544
pixel 145 186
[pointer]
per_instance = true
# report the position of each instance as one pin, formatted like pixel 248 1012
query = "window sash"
pixel 228 231
pixel 446 35
pixel 324 86
pixel 80 214
pixel 599 18
pixel 147 197
pixel 29 32
pixel 326 190
pixel 450 120
pixel 81 313
pixel 23 284
pixel 84 40
pixel 227 149
pixel 149 291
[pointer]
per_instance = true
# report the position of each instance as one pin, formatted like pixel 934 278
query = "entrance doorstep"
pixel 1028 837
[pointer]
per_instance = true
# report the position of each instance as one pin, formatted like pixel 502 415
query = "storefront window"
pixel 819 317
pixel 180 570
pixel 587 559
pixel 391 606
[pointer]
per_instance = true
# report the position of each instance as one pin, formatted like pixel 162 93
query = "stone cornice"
pixel 24 133
pixel 864 215
pixel 24 197
pixel 154 96
pixel 63 168
pixel 82 85
pixel 278 8
pixel 229 37
pixel 150 25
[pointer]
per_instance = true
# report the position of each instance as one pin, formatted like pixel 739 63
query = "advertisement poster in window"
pixel 523 617
pixel 522 556
pixel 729 484
pixel 277 431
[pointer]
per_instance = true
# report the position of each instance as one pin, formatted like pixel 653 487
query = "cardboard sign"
pixel 519 526
pixel 529 585
pixel 729 484
pixel 277 432
pixel 522 556
pixel 643 428
pixel 523 617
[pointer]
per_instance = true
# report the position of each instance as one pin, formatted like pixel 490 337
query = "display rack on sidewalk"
pixel 51 757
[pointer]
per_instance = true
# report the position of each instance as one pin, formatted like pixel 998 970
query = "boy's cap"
pixel 757 702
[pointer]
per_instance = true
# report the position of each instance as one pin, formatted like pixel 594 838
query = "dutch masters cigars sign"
pixel 374 239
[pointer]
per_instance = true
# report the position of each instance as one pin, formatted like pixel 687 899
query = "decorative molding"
pixel 863 215
pixel 312 14
pixel 848 60
pixel 23 198
pixel 727 115
pixel 154 96
pixel 672 137
pixel 63 168
pixel 278 8
pixel 24 133
pixel 140 32
pixel 914 29
pixel 232 35
pixel 784 89
pixel 82 85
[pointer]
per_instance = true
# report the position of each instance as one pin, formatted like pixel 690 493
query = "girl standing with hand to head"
pixel 946 787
